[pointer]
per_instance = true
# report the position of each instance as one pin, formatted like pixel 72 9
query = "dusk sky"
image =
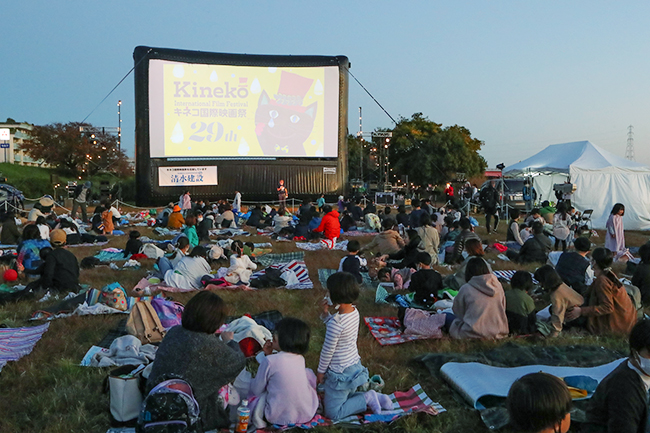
pixel 520 75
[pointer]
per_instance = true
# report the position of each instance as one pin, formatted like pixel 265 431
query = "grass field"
pixel 47 391
pixel 34 182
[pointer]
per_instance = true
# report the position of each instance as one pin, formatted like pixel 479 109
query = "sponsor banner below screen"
pixel 187 176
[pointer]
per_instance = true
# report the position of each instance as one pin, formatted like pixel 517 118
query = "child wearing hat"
pixel 61 269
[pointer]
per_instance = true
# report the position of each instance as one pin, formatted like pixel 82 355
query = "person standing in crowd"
pixel 320 202
pixel 283 194
pixel 185 202
pixel 416 214
pixel 490 201
pixel 615 236
pixel 449 193
pixel 236 203
pixel 561 226
pixel 529 195
pixel 80 199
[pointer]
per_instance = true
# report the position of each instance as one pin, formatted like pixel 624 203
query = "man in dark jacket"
pixel 10 234
pixel 82 195
pixel 489 198
pixel 416 214
pixel 61 269
pixel 537 247
pixel 574 268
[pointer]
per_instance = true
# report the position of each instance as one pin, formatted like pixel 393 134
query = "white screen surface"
pixel 201 110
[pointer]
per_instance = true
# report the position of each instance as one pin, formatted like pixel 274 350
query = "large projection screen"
pixel 246 120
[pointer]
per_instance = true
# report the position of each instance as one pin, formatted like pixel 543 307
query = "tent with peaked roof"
pixel 601 178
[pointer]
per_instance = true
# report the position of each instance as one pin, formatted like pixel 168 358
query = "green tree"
pixel 359 163
pixel 431 154
pixel 76 148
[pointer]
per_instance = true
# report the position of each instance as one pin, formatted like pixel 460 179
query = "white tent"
pixel 601 178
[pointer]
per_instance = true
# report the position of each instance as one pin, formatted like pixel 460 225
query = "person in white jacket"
pixel 236 204
pixel 241 266
pixel 187 273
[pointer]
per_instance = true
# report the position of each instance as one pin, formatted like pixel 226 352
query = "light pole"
pixel 119 125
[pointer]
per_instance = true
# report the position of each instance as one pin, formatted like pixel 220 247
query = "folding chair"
pixel 586 219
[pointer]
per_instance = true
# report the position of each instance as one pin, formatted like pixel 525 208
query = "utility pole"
pixel 119 125
pixel 629 150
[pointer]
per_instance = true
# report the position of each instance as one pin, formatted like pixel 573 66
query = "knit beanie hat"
pixel 58 237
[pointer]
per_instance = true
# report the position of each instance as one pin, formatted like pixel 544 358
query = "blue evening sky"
pixel 519 75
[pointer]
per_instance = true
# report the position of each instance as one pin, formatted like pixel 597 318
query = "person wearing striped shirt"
pixel 339 368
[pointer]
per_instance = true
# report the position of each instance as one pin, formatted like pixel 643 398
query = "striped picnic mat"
pixel 274 258
pixel 507 275
pixel 18 342
pixel 297 266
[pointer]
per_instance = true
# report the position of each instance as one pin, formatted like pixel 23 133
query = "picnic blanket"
pixel 164 231
pixel 18 342
pixel 404 403
pixel 298 267
pixel 324 274
pixel 229 232
pixel 7 289
pixel 387 331
pixel 354 233
pixel 111 255
pixel 477 383
pixel 273 258
pixel 315 246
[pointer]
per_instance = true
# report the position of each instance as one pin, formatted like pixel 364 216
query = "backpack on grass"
pixel 170 407
pixel 144 323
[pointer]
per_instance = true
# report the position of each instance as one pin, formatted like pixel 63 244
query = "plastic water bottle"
pixel 243 416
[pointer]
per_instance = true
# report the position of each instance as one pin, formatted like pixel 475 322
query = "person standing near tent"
pixel 282 194
pixel 529 194
pixel 490 201
pixel 236 204
pixel 615 236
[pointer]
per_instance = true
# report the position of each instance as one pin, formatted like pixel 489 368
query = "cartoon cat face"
pixel 281 129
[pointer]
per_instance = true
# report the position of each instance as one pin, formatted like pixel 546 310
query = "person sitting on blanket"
pixel 574 267
pixel 387 242
pixel 190 229
pixel 329 226
pixel 525 232
pixel 467 233
pixel 256 218
pixel 430 239
pixel 43 227
pixel 28 259
pixel 520 307
pixel 426 282
pixel 453 229
pixel 208 362
pixel 189 270
pixel 315 221
pixel 402 217
pixel 534 216
pixel 641 277
pixel 352 263
pixel 535 249
pixel 408 254
pixel 401 278
pixel 347 222
pixel 620 403
pixel 227 218
pixel 134 244
pixel 241 266
pixel 284 387
pixel 563 298
pixel 204 226
pixel 479 309
pixel 10 234
pixel 540 403
pixel 281 221
pixel 181 250
pixel 175 220
pixel 107 219
pixel 61 268
pixel 474 248
pixel 513 236
pixel 339 368
pixel 609 308
pixel 301 231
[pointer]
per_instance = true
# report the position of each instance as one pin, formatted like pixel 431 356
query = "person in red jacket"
pixel 330 225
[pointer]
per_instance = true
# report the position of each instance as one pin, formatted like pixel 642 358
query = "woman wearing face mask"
pixel 619 404
pixel 608 306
